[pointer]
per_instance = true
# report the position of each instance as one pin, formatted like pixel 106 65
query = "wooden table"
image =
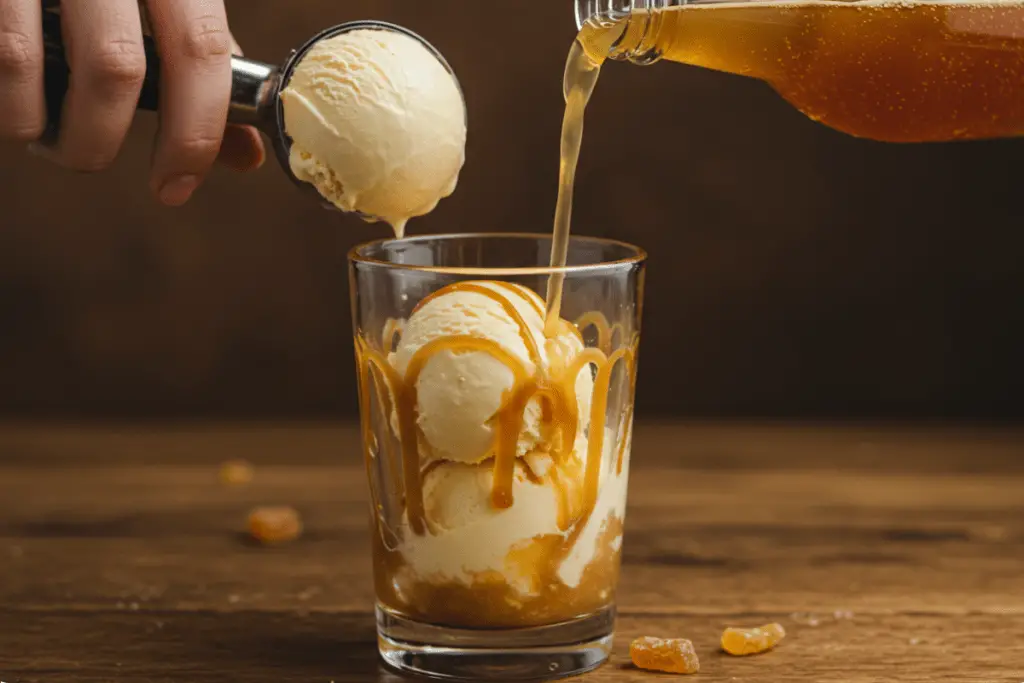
pixel 889 554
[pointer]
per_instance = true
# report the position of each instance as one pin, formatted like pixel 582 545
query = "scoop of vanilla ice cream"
pixel 457 494
pixel 378 125
pixel 458 393
pixel 470 536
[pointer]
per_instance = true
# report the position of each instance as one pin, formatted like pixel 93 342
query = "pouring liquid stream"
pixel 582 70
pixel 884 70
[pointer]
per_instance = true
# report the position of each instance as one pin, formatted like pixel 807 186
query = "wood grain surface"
pixel 890 554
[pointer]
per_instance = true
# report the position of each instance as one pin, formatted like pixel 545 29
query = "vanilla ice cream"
pixel 378 124
pixel 472 538
pixel 505 516
pixel 458 393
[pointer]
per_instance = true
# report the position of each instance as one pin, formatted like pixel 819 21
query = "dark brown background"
pixel 794 271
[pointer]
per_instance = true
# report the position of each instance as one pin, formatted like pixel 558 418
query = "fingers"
pixel 195 49
pixel 103 43
pixel 22 104
pixel 242 149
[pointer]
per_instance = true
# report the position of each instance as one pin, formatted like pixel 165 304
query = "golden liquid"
pixel 582 69
pixel 490 601
pixel 889 71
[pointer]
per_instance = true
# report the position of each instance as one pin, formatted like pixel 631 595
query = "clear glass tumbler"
pixel 497 446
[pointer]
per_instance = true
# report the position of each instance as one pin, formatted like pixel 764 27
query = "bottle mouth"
pixel 635 19
pixel 602 11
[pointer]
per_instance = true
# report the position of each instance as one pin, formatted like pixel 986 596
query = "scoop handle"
pixel 253 84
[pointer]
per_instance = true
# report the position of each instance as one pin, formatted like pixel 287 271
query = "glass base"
pixel 525 654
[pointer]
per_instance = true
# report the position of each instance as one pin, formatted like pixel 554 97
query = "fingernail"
pixel 178 189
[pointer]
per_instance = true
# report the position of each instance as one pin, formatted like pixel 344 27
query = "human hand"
pixel 104 49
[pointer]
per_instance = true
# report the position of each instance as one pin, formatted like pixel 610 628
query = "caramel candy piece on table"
pixel 751 641
pixel 670 655
pixel 278 524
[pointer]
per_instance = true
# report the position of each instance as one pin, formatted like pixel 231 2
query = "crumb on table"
pixel 274 524
pixel 236 473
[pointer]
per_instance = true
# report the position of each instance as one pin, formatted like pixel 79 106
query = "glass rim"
pixel 639 255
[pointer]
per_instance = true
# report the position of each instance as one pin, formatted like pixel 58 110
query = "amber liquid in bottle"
pixel 888 71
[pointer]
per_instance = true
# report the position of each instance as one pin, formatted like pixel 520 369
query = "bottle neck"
pixel 638 22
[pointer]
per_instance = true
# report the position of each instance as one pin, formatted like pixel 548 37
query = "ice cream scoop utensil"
pixel 255 86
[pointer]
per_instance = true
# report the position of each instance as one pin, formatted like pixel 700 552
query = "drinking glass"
pixel 497 444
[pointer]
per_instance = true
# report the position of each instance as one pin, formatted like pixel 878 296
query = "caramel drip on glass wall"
pixel 392 331
pixel 555 386
pixel 605 338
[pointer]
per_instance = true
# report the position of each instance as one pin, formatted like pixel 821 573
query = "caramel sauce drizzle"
pixel 506 305
pixel 605 337
pixel 525 293
pixel 392 330
pixel 605 332
pixel 564 502
pixel 553 386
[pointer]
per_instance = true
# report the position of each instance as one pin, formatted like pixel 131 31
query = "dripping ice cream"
pixel 377 123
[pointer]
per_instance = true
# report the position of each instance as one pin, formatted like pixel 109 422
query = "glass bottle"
pixel 907 71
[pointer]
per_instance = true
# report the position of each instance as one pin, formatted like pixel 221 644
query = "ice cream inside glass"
pixel 497 448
